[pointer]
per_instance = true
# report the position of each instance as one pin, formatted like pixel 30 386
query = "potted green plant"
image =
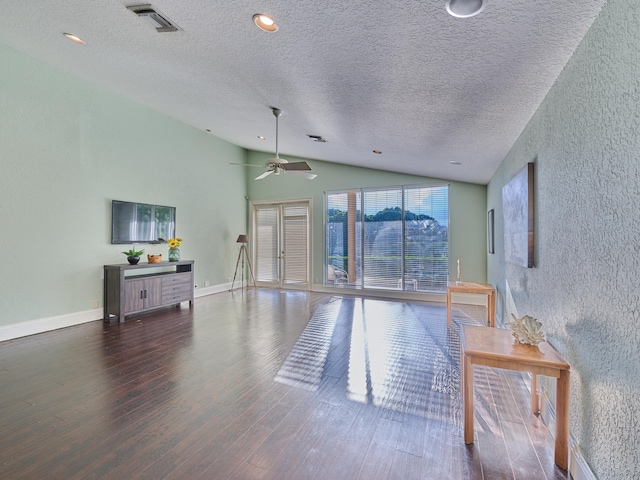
pixel 133 255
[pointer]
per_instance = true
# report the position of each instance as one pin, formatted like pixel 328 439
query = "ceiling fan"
pixel 278 165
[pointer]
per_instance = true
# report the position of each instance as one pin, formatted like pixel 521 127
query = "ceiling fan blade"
pixel 265 174
pixel 307 175
pixel 295 166
pixel 247 165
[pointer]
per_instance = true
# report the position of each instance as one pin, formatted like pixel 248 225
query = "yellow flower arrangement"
pixel 175 242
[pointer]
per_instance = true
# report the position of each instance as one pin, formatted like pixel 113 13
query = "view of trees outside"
pixel 393 245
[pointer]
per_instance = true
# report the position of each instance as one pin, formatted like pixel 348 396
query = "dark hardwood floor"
pixel 266 385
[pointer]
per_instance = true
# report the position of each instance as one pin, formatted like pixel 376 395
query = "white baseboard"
pixel 372 293
pixel 41 325
pixel 17 330
pixel 223 287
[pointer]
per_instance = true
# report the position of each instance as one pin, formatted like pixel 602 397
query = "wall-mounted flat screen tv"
pixel 141 222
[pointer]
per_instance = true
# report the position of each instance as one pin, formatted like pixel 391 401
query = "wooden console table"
pixel 495 347
pixel 478 288
pixel 130 289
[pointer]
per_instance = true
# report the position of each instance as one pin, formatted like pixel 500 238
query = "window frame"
pixel 438 286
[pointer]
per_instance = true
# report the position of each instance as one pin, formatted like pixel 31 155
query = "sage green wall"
pixel 67 148
pixel 467 215
pixel 584 288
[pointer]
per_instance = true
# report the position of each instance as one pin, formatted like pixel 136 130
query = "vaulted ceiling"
pixel 400 76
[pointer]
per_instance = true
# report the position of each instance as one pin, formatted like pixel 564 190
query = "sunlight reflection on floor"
pixel 401 356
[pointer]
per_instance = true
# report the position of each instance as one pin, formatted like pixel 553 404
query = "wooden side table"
pixel 478 288
pixel 495 347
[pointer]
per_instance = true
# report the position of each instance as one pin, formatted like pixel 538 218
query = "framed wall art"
pixel 490 230
pixel 517 207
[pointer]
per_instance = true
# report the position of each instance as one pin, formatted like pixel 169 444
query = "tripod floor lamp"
pixel 242 256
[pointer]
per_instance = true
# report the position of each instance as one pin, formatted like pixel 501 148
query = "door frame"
pixel 279 203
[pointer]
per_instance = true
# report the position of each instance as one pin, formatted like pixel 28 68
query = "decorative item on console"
pixel 526 330
pixel 133 255
pixel 174 250
pixel 154 258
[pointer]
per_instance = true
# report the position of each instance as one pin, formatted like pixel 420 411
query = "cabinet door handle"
pixel 141 293
pixel 145 294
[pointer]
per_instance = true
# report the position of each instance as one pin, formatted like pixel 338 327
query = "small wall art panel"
pixel 517 206
pixel 490 231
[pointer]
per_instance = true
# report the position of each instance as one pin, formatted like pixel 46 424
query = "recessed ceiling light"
pixel 74 38
pixel 377 152
pixel 261 137
pixel 265 22
pixel 453 162
pixel 464 8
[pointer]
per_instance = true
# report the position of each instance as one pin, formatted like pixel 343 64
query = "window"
pixel 388 238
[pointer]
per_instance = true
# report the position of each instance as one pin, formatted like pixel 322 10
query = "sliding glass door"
pixel 393 238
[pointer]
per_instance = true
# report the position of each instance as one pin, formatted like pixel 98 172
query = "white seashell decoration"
pixel 526 330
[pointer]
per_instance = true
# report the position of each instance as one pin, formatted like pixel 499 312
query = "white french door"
pixel 281 244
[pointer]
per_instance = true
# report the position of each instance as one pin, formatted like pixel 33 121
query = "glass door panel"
pixel 383 246
pixel 265 241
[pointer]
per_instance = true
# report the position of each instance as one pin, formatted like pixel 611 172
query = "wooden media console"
pixel 169 283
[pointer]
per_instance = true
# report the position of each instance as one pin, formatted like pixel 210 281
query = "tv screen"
pixel 141 222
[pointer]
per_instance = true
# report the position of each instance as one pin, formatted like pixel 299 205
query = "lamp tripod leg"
pixel 236 272
pixel 242 249
pixel 251 277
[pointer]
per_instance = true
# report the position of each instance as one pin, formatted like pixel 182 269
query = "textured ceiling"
pixel 400 76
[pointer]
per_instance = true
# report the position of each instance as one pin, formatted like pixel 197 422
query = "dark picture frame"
pixel 490 231
pixel 517 208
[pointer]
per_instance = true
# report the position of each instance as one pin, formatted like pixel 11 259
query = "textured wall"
pixel 67 148
pixel 585 142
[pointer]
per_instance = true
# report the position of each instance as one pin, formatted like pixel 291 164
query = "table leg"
pixel 448 307
pixel 467 394
pixel 562 420
pixel 491 309
pixel 535 398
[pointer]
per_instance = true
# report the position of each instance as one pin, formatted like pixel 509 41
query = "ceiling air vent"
pixel 154 18
pixel 317 138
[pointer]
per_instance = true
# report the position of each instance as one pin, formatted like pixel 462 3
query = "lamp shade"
pixel 242 239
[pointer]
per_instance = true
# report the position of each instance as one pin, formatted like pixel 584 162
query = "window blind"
pixel 266 243
pixel 426 240
pixel 383 246
pixel 401 237
pixel 295 241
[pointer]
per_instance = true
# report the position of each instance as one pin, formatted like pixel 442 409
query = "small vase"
pixel 174 254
